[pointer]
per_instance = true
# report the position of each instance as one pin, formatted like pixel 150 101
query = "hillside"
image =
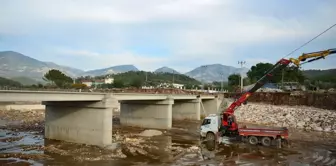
pixel 326 78
pixel 155 78
pixel 317 73
pixel 166 70
pixel 8 83
pixel 13 64
pixel 111 70
pixel 26 81
pixel 214 72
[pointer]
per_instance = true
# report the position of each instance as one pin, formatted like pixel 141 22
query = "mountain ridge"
pixel 166 69
pixel 14 64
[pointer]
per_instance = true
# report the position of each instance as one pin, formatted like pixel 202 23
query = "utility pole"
pixel 146 79
pixel 241 75
pixel 222 80
pixel 173 76
pixel 282 79
pixel 202 76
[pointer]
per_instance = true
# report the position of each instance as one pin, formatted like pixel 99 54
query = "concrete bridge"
pixel 84 117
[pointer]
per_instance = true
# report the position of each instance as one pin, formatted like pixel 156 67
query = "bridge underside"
pixel 159 114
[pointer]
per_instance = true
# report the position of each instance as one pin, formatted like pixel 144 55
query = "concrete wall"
pixel 80 122
pixel 186 109
pixel 147 114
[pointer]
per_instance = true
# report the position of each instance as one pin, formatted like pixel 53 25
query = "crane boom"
pixel 281 64
pixel 315 55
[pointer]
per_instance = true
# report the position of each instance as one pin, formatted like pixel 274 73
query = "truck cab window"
pixel 206 121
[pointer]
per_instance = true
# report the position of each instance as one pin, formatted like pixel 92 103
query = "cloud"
pixel 182 34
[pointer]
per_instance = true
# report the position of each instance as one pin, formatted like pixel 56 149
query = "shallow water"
pixel 179 146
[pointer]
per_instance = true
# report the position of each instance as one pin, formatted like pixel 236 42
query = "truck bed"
pixel 263 127
pixel 263 131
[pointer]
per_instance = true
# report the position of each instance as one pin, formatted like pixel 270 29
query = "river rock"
pixel 150 133
pixel 301 117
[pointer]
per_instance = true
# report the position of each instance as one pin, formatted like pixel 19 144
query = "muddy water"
pixel 179 146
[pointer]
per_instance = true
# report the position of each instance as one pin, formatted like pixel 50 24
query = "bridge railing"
pixel 117 90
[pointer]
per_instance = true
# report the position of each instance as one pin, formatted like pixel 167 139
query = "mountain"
pixel 14 64
pixel 215 72
pixel 166 70
pixel 111 70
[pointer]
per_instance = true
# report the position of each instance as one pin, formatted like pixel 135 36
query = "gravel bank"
pixel 16 120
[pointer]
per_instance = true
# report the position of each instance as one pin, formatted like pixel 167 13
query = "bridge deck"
pixel 17 95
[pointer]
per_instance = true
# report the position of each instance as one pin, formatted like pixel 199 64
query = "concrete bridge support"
pixel 147 114
pixel 210 106
pixel 80 121
pixel 187 109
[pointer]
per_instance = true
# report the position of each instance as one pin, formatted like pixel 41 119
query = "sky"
pixel 181 34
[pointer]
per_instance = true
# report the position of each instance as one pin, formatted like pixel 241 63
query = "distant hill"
pixel 8 82
pixel 13 64
pixel 111 70
pixel 318 73
pixel 214 72
pixel 155 78
pixel 166 70
pixel 27 81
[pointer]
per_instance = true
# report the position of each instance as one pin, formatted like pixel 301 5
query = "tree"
pixel 257 71
pixel 290 73
pixel 234 79
pixel 118 83
pixel 136 82
pixel 58 78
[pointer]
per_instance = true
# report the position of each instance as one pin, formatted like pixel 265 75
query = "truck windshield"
pixel 206 121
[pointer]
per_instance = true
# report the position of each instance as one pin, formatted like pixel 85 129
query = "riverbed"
pixel 22 143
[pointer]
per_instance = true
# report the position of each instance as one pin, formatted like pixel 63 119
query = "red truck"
pixel 224 127
pixel 267 136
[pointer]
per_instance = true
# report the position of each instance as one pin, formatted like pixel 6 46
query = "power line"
pixel 310 40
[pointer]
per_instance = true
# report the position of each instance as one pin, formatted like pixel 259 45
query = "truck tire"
pixel 253 140
pixel 266 141
pixel 285 143
pixel 210 136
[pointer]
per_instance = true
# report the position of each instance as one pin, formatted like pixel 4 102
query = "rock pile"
pixel 300 117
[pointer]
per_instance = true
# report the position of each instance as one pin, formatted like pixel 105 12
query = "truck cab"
pixel 210 126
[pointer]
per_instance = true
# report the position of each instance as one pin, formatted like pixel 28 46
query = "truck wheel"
pixel 285 143
pixel 253 140
pixel 266 141
pixel 210 136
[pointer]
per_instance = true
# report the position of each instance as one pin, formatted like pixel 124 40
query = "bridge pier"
pixel 80 121
pixel 187 109
pixel 147 114
pixel 211 106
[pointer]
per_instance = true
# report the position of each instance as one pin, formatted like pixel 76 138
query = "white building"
pixel 178 86
pixel 109 80
pixel 87 83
